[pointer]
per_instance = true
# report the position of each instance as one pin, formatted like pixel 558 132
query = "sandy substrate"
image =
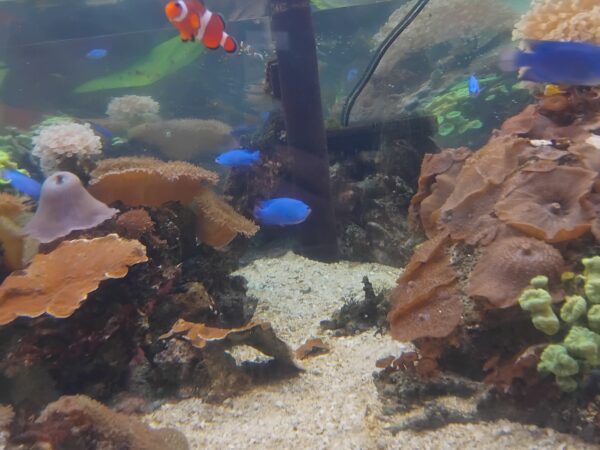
pixel 333 404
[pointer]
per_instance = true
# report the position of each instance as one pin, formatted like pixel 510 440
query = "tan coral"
pixel 560 20
pixel 427 280
pixel 148 181
pixel 17 248
pixel 217 222
pixel 549 205
pixel 58 282
pixel 107 428
pixel 134 223
pixel 259 335
pixel 506 267
pixel 132 110
pixel 185 139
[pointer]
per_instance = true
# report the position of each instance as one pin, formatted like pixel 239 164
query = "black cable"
pixel 379 54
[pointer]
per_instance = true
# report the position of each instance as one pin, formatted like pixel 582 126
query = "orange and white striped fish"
pixel 195 22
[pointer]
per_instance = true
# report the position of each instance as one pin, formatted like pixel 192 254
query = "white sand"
pixel 334 403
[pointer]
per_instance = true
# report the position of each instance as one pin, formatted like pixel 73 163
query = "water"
pixel 161 283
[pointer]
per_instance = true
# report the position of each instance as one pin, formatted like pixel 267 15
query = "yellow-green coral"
pixel 579 352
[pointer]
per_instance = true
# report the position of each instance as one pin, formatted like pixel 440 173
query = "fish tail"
pixel 512 59
pixel 256 154
pixel 228 43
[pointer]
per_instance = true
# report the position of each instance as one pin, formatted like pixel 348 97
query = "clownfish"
pixel 195 22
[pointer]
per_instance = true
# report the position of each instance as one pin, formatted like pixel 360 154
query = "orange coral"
pixel 218 223
pixel 134 223
pixel 506 267
pixel 548 205
pixel 148 181
pixel 259 335
pixel 56 283
pixel 426 285
pixel 12 206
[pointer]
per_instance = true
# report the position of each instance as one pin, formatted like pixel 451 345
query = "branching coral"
pixel 185 139
pixel 506 266
pixel 64 143
pixel 65 206
pixel 549 205
pixel 75 421
pixel 148 181
pixel 560 20
pixel 58 282
pixel 217 222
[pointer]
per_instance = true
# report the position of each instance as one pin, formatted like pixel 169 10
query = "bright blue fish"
pixel 474 89
pixel 238 157
pixel 22 183
pixel 102 130
pixel 97 53
pixel 281 211
pixel 575 63
pixel 352 75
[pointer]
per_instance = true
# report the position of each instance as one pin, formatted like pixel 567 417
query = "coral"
pixel 42 287
pixel 132 110
pixel 162 61
pixel 425 302
pixel 259 335
pixel 548 205
pixel 217 222
pixel 18 249
pixel 148 181
pixel 506 267
pixel 60 145
pixel 538 302
pixel 65 206
pixel 560 20
pixel 134 223
pixel 6 417
pixel 77 421
pixel 592 279
pixel 185 139
pixel 312 347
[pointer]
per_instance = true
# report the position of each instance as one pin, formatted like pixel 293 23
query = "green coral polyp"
pixel 555 359
pixel 573 309
pixel 593 316
pixel 583 343
pixel 592 279
pixel 538 302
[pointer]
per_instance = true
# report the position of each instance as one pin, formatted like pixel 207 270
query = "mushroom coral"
pixel 58 282
pixel 425 301
pixel 507 265
pixel 148 181
pixel 548 205
pixel 65 206
pixel 560 20
pixel 217 222
pixel 185 139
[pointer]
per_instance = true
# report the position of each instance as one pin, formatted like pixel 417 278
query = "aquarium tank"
pixel 299 224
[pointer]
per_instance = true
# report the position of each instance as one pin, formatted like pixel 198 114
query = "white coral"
pixel 560 20
pixel 133 109
pixel 55 143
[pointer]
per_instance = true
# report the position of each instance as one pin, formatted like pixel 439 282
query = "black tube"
pixel 379 54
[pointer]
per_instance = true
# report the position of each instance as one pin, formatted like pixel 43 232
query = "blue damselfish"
pixel 474 88
pixel 97 53
pixel 574 63
pixel 281 211
pixel 238 157
pixel 22 183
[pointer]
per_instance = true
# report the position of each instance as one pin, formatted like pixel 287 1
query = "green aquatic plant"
pixel 162 61
pixel 445 129
pixel 571 359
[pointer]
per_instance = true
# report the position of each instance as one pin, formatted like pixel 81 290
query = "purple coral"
pixel 65 206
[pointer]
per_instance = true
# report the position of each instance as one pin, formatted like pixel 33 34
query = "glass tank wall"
pixel 299 224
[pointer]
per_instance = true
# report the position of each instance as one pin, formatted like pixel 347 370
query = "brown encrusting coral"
pixel 217 222
pixel 80 422
pixel 56 283
pixel 506 267
pixel 138 181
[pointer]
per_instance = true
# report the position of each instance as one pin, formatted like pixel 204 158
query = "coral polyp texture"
pixel 41 288
pixel 560 20
pixel 65 143
pixel 132 110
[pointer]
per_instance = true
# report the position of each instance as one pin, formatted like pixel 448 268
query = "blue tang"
pixel 22 183
pixel 574 63
pixel 97 53
pixel 238 157
pixel 474 89
pixel 281 211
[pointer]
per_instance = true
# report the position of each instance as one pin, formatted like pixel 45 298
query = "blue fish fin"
pixel 267 203
pixel 531 75
pixel 256 154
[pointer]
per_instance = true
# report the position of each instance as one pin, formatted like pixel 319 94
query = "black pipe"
pixel 293 34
